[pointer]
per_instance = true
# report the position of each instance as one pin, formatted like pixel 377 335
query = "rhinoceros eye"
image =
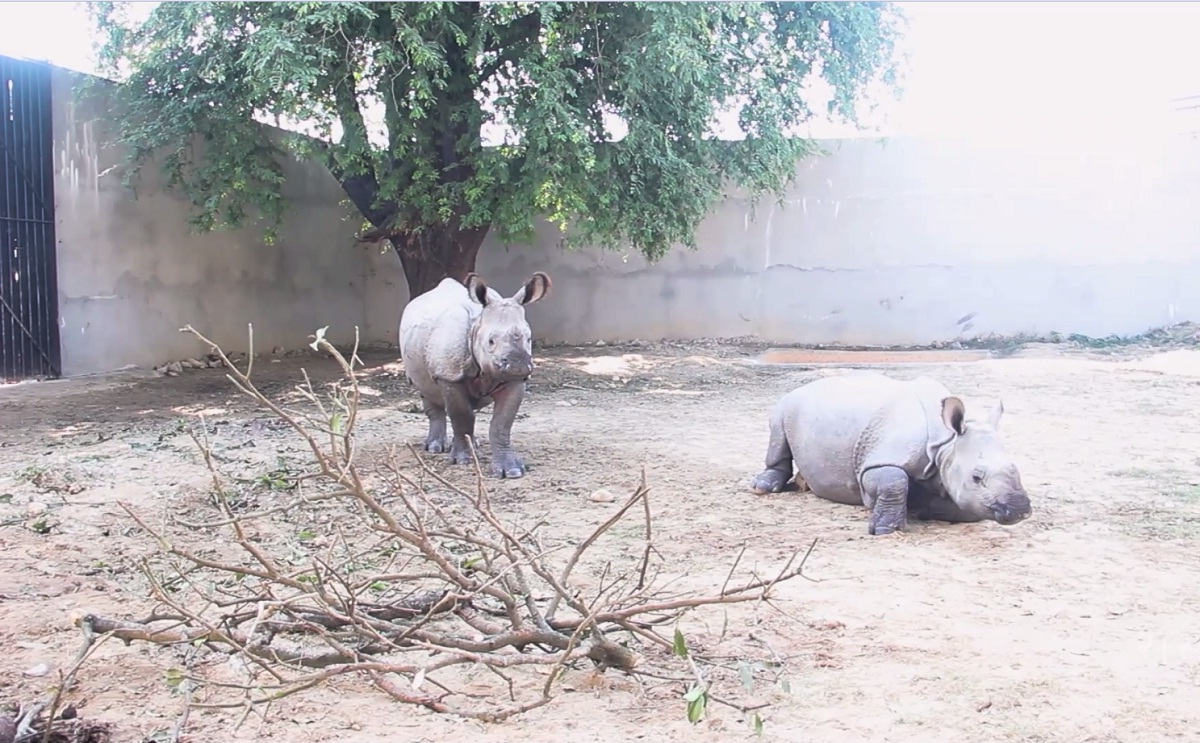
pixel 978 476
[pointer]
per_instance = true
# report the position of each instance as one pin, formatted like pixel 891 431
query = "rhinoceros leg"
pixel 885 492
pixel 462 420
pixel 435 440
pixel 506 401
pixel 778 461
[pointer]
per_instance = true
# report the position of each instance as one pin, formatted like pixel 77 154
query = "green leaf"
pixel 696 707
pixel 693 693
pixel 757 721
pixel 471 562
pixel 784 685
pixel 679 646
pixel 746 675
pixel 318 337
pixel 174 677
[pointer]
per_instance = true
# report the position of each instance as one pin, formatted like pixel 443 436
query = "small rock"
pixel 35 508
pixel 215 363
pixel 174 368
pixel 601 343
pixel 601 496
pixel 193 364
pixel 41 669
pixel 277 350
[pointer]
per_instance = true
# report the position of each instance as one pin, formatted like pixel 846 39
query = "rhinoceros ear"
pixel 953 412
pixel 537 287
pixel 476 288
pixel 995 413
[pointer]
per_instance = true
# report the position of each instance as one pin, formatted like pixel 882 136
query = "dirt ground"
pixel 1080 624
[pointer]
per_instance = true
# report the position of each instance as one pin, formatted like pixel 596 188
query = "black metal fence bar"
pixel 29 333
pixel 43 282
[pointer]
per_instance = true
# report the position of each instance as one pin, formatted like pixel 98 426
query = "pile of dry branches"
pixel 421 580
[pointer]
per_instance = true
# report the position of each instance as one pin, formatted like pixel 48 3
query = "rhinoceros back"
pixel 839 427
pixel 434 329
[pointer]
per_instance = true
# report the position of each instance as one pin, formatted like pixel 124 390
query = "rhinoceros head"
pixel 501 340
pixel 978 475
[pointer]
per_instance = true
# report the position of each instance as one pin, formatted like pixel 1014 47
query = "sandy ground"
pixel 1081 624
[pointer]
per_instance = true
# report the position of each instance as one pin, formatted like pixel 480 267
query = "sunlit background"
pixel 978 69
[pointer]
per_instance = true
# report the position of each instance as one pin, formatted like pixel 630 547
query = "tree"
pixel 395 98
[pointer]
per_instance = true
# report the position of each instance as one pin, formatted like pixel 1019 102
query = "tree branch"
pixel 475 590
pixel 511 42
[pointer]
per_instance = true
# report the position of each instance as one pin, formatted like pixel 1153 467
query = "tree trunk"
pixel 433 255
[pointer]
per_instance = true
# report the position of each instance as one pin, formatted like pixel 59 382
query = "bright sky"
pixel 985 69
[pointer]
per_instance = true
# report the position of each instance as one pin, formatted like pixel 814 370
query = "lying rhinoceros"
pixel 893 446
pixel 464 346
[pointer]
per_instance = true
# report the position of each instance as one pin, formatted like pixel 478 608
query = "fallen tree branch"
pixel 419 579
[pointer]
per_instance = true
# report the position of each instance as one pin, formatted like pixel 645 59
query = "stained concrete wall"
pixel 909 242
pixel 130 273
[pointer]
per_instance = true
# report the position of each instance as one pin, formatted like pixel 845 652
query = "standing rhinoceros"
pixel 464 346
pixel 891 445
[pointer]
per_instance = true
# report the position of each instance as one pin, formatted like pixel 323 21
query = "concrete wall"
pixel 908 242
pixel 130 273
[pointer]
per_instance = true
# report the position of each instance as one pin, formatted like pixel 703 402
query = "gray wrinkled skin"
pixel 465 346
pixel 896 447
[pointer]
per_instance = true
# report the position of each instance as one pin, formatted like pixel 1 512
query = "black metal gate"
pixel 28 272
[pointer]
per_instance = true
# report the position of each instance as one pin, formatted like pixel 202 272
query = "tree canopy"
pixel 601 112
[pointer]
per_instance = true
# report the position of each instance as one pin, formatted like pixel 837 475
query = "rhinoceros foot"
pixel 435 444
pixel 507 465
pixel 880 530
pixel 460 453
pixel 771 481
